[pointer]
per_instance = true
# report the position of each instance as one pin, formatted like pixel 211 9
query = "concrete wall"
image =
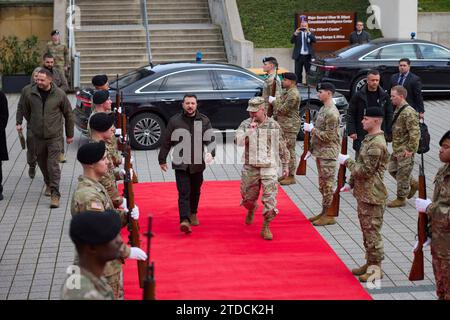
pixel 225 13
pixel 283 56
pixel 434 26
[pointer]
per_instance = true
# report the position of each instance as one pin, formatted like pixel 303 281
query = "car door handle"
pixel 168 100
pixel 232 99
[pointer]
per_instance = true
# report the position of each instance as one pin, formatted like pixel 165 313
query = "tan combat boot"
pixel 250 215
pixel 314 218
pixel 48 191
pixel 54 201
pixel 414 186
pixel 194 220
pixel 288 180
pixel 185 226
pixel 281 178
pixel 62 158
pixel 360 271
pixel 373 273
pixel 398 202
pixel 265 232
pixel 324 220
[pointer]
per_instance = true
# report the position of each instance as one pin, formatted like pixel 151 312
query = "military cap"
pixel 326 86
pixel 91 153
pixel 101 121
pixel 100 96
pixel 375 112
pixel 270 59
pixel 54 32
pixel 99 80
pixel 290 76
pixel 94 228
pixel 445 136
pixel 254 103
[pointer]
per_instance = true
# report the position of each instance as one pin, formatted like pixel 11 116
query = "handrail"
pixel 75 56
pixel 144 15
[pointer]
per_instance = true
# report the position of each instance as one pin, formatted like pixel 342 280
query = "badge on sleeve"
pixel 96 205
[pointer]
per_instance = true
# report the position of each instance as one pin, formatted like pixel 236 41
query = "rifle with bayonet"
pixel 273 92
pixel 301 169
pixel 118 113
pixel 417 268
pixel 124 140
pixel 149 281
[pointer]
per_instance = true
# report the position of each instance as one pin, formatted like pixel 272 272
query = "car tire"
pixel 146 131
pixel 359 83
pixel 314 109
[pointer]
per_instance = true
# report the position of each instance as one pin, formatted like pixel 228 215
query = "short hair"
pixel 374 72
pixel 405 60
pixel 36 70
pixel 359 21
pixel 46 72
pixel 47 56
pixel 401 91
pixel 190 95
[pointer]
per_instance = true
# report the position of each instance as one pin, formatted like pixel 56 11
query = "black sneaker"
pixel 1 196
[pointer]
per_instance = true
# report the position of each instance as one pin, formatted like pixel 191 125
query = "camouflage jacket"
pixel 325 141
pixel 286 110
pixel 265 146
pixel 405 131
pixel 439 211
pixel 267 88
pixel 60 52
pixel 90 288
pixel 367 173
pixel 91 195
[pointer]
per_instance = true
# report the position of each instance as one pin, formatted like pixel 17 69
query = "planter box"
pixel 14 83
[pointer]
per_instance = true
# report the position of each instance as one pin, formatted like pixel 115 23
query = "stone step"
pixel 114 56
pixel 95 21
pixel 185 43
pixel 125 9
pixel 184 56
pixel 188 50
pixel 178 20
pixel 113 64
pixel 153 39
pixel 108 33
pixel 168 59
pixel 210 31
pixel 101 51
pixel 108 44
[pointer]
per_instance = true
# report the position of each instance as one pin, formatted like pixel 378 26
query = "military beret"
pixel 54 32
pixel 91 153
pixel 99 80
pixel 95 228
pixel 270 59
pixel 375 112
pixel 326 86
pixel 290 76
pixel 254 103
pixel 445 136
pixel 101 121
pixel 100 96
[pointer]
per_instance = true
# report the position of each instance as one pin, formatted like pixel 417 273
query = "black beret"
pixel 290 76
pixel 54 32
pixel 270 59
pixel 445 136
pixel 90 153
pixel 99 80
pixel 374 112
pixel 326 86
pixel 95 228
pixel 100 96
pixel 101 121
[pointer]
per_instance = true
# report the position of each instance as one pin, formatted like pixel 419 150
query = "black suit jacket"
pixel 297 40
pixel 413 85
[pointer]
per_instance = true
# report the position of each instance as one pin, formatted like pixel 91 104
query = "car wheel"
pixel 146 130
pixel 313 111
pixel 360 82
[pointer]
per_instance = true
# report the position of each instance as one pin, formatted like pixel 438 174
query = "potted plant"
pixel 17 61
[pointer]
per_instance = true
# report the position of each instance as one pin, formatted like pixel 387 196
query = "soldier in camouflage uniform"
pixel 265 147
pixel 270 66
pixel 438 211
pixel 325 145
pixel 59 51
pixel 405 142
pixel 102 231
pixel 367 175
pixel 90 195
pixel 286 113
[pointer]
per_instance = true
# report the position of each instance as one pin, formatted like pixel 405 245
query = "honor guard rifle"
pixel 124 140
pixel 118 114
pixel 149 281
pixel 301 169
pixel 273 92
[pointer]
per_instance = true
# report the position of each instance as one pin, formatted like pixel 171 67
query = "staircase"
pixel 112 39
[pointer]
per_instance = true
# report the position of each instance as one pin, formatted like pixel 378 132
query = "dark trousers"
pixel 300 62
pixel 188 185
pixel 47 153
pixel 31 152
pixel 1 178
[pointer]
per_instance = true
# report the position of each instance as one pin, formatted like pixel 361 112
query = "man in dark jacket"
pixel 46 106
pixel 303 40
pixel 4 115
pixel 412 84
pixel 371 95
pixel 188 132
pixel 359 36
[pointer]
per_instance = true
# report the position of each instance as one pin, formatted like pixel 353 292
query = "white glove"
pixel 137 254
pixel 124 203
pixel 272 99
pixel 209 158
pixel 135 213
pixel 426 243
pixel 122 162
pixel 307 127
pixel 346 188
pixel 307 155
pixel 342 158
pixel 118 132
pixel 123 173
pixel 422 205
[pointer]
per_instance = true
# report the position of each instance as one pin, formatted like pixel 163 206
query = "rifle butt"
pixel 301 169
pixel 141 272
pixel 417 268
pixel 149 290
pixel 333 210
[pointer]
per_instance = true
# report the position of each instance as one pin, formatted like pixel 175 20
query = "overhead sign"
pixel 332 29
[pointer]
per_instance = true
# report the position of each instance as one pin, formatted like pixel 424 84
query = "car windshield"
pixel 132 77
pixel 353 50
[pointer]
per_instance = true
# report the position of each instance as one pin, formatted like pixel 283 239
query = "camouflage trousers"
pixel 47 153
pixel 31 152
pixel 291 139
pixel 441 270
pixel 252 180
pixel 371 220
pixel 400 169
pixel 115 281
pixel 327 175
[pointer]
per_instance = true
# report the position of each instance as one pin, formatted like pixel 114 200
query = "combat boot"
pixel 250 215
pixel 373 272
pixel 265 232
pixel 324 221
pixel 288 180
pixel 314 218
pixel 185 226
pixel 32 172
pixel 54 202
pixel 398 202
pixel 194 220
pixel 62 158
pixel 281 178
pixel 360 271
pixel 48 191
pixel 414 186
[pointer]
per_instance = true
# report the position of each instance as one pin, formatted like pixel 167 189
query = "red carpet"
pixel 225 259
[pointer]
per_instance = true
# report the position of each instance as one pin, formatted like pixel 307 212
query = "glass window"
pixel 154 86
pixel 132 77
pixel 353 50
pixel 193 80
pixel 398 51
pixel 433 52
pixel 372 56
pixel 233 80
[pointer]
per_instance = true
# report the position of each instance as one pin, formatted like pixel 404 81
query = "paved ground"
pixel 35 248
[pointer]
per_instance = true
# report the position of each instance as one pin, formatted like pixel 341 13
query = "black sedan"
pixel 152 95
pixel 347 68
